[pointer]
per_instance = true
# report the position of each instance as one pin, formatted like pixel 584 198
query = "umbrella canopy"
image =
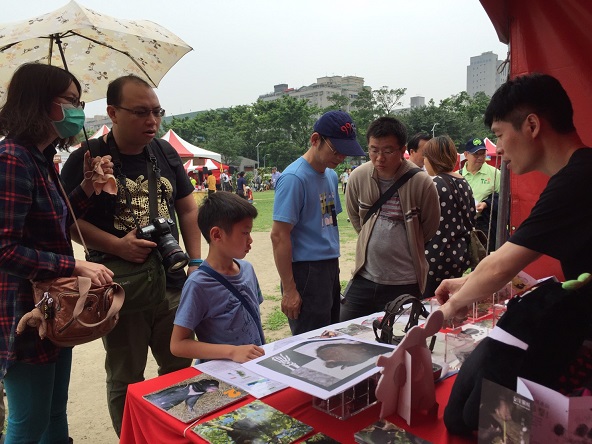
pixel 187 150
pixel 95 47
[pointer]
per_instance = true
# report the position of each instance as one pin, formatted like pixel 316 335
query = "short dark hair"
pixel 223 209
pixel 32 90
pixel 536 93
pixel 116 86
pixel 241 174
pixel 385 127
pixel 413 143
pixel 441 153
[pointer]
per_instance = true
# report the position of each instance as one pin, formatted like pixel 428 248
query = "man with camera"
pixel 134 233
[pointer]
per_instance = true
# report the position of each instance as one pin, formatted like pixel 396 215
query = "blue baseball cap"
pixel 340 129
pixel 475 145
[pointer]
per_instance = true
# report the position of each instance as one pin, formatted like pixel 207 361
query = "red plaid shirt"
pixel 34 243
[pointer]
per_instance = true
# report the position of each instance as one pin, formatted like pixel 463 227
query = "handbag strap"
pixel 389 193
pixel 84 285
pixel 57 179
pixel 238 295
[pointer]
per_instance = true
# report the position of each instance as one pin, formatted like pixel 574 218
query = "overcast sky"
pixel 242 48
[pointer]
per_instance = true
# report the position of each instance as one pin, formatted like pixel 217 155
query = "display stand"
pixel 351 402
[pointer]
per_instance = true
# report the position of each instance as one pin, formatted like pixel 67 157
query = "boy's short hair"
pixel 223 209
pixel 540 94
pixel 385 127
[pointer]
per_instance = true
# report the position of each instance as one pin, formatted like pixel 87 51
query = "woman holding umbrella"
pixel 42 110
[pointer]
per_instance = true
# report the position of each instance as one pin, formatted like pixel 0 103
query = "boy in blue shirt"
pixel 224 326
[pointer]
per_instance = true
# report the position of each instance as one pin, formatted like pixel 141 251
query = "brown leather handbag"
pixel 76 310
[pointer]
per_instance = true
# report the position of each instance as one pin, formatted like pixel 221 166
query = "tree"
pixel 285 125
pixel 363 113
pixel 338 101
pixel 386 99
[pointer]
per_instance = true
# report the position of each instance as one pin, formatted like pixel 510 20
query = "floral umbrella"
pixel 95 47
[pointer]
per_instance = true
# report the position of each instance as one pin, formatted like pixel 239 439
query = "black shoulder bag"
pixel 239 296
pixel 389 193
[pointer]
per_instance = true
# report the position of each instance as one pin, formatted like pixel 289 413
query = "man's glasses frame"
pixel 143 113
pixel 75 101
pixel 376 153
pixel 333 150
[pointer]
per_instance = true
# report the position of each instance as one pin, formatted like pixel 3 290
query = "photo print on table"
pixel 255 422
pixel 322 367
pixel 195 397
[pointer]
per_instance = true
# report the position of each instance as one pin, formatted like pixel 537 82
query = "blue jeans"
pixel 318 285
pixel 37 397
pixel 364 297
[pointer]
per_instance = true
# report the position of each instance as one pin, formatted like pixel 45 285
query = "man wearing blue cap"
pixel 304 234
pixel 394 207
pixel 485 183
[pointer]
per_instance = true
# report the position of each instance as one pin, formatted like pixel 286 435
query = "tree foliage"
pixel 282 128
pixel 460 116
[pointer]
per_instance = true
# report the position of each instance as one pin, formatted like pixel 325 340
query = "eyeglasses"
pixel 75 101
pixel 333 150
pixel 376 153
pixel 156 112
pixel 480 153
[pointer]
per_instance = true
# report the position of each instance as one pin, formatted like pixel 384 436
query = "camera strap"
pixel 152 174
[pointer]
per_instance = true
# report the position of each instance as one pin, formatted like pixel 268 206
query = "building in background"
pixel 94 123
pixel 318 93
pixel 483 74
pixel 416 102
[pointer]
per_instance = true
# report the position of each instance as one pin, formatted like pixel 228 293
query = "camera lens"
pixel 173 257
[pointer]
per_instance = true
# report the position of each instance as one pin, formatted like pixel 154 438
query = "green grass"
pixel 263 201
pixel 276 320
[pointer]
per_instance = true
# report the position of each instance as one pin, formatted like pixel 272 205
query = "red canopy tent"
pixel 551 37
pixel 212 166
pixel 187 150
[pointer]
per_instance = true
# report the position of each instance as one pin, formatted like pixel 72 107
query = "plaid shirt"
pixel 34 244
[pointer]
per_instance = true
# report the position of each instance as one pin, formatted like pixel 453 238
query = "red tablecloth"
pixel 143 423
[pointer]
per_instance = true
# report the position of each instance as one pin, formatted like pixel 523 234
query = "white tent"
pixel 188 151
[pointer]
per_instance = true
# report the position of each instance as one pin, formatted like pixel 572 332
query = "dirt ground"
pixel 87 406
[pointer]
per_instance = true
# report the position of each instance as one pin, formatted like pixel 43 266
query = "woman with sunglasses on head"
pixel 447 252
pixel 42 111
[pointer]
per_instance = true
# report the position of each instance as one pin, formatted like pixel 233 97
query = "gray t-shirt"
pixel 388 256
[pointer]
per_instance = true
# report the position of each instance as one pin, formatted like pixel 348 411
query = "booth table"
pixel 144 423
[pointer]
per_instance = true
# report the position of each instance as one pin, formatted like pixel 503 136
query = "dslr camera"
pixel 173 257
